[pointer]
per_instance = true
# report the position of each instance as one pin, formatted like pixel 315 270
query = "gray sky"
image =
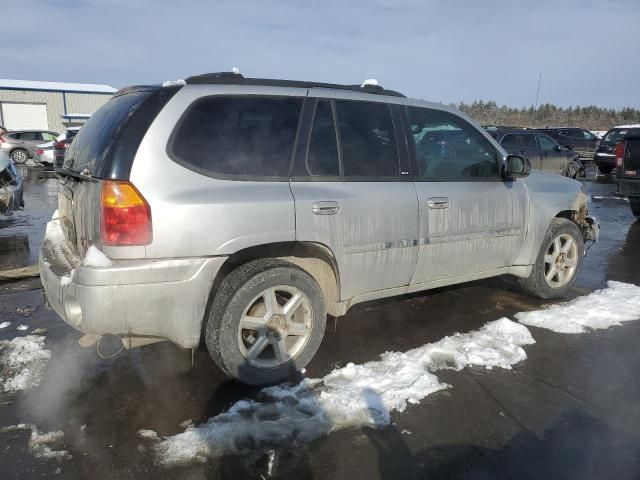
pixel 448 51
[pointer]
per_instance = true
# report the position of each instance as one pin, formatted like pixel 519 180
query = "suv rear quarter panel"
pixel 197 215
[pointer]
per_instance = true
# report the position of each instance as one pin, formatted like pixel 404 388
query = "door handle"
pixel 325 208
pixel 438 202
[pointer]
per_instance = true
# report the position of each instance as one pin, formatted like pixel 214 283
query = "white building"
pixel 53 106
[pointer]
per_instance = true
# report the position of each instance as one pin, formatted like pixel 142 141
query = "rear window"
pixel 618 134
pixel 95 139
pixel 246 136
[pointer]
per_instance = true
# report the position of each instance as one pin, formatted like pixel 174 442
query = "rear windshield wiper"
pixel 84 175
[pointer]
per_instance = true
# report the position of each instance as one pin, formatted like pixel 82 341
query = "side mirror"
pixel 516 166
pixel 559 148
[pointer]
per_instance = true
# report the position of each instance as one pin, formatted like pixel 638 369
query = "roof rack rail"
pixel 231 78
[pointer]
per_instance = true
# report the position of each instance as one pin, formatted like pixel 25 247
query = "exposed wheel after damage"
pixel 266 321
pixel 559 261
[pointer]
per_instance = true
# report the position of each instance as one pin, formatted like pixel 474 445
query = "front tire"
pixel 559 261
pixel 266 322
pixel 19 156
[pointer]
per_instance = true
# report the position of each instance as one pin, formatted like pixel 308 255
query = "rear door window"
pixel 30 136
pixel 367 139
pixel 247 136
pixel 519 140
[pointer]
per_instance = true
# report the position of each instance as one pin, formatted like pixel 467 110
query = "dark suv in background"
pixel 543 152
pixel 579 140
pixel 605 157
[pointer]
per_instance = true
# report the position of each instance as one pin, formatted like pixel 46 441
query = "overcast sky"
pixel 440 50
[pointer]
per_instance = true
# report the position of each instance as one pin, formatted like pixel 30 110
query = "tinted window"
pixel 546 143
pixel 15 136
pixel 519 140
pixel 250 136
pixel 93 142
pixel 447 147
pixel 367 139
pixel 322 159
pixel 30 136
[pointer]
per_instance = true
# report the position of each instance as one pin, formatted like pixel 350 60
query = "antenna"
pixel 538 92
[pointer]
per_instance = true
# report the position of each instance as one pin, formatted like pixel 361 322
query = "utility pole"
pixel 538 92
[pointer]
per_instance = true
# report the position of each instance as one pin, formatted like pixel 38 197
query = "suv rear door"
pixel 353 192
pixel 471 220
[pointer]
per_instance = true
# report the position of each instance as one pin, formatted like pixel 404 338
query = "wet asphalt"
pixel 571 410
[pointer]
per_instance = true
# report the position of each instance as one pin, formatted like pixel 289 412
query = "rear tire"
pixel 605 169
pixel 634 202
pixel 19 156
pixel 559 261
pixel 266 322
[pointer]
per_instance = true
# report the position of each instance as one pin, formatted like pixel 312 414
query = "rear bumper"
pixel 164 298
pixel 605 159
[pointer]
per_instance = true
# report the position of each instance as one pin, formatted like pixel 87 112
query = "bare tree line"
pixel 590 117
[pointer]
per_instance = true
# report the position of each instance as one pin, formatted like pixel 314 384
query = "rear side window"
pixel 367 139
pixel 30 136
pixel 519 140
pixel 93 142
pixel 246 136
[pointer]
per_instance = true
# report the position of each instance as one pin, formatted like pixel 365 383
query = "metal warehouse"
pixel 53 106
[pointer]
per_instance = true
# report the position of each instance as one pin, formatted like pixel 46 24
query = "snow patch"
pixel 22 328
pixel 171 83
pixel 619 302
pixel 352 396
pixel 95 258
pixel 370 81
pixel 42 445
pixel 5 324
pixel 22 362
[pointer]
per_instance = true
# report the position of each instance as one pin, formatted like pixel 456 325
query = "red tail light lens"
pixel 620 154
pixel 39 151
pixel 126 215
pixel 61 145
pixel 2 139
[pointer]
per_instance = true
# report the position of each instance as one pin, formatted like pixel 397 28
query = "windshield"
pixel 618 134
pixel 93 142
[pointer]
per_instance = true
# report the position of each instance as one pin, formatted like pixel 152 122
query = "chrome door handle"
pixel 325 208
pixel 438 202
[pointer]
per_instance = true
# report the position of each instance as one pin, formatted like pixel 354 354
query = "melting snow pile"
pixel 95 258
pixel 353 396
pixel 22 362
pixel 42 445
pixel 620 302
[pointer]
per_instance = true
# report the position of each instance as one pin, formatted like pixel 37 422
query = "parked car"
pixel 62 144
pixel 11 197
pixel 241 211
pixel 21 145
pixel 579 140
pixel 627 153
pixel 44 153
pixel 605 157
pixel 543 152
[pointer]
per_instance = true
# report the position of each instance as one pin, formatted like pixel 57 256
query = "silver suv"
pixel 242 211
pixel 21 145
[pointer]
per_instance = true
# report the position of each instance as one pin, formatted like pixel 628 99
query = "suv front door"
pixel 554 159
pixel 523 144
pixel 471 220
pixel 351 194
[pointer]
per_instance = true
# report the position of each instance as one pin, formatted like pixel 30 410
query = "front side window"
pixel 367 139
pixel 244 135
pixel 587 135
pixel 447 147
pixel 546 143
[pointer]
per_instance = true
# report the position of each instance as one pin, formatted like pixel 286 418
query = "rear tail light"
pixel 2 139
pixel 61 145
pixel 620 154
pixel 39 151
pixel 126 215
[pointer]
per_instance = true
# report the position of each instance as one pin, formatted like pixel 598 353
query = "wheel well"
pixel 314 258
